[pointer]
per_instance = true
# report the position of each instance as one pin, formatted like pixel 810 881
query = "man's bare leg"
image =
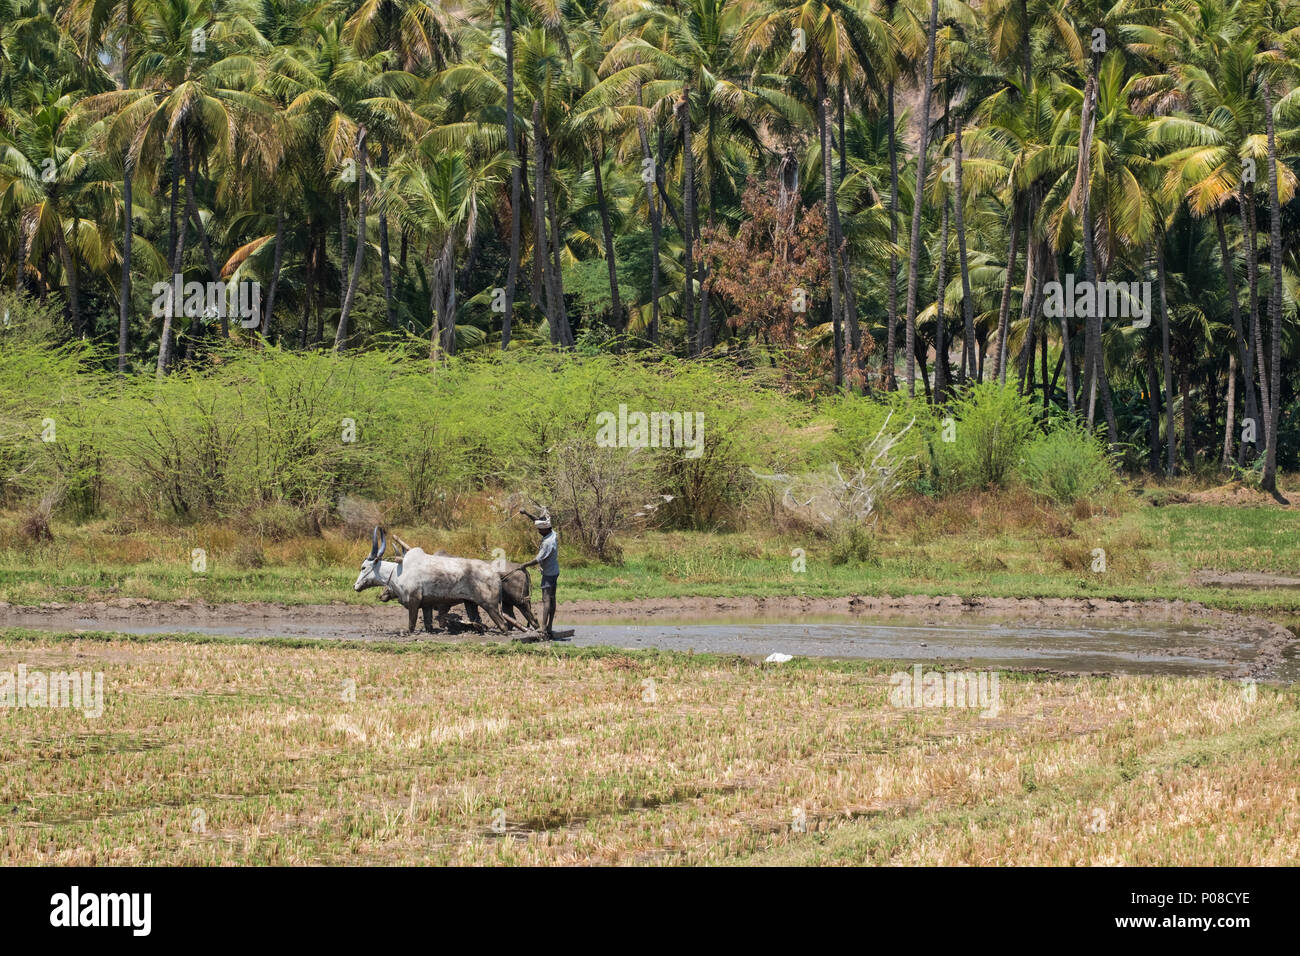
pixel 548 610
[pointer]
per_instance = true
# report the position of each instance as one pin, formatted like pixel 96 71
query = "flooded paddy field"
pixel 1068 636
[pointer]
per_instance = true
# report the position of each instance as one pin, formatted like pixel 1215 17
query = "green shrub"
pixel 48 409
pixel 851 543
pixel 593 492
pixel 856 421
pixel 278 521
pixel 1252 475
pixel 1067 464
pixel 982 445
pixel 253 435
pixel 248 556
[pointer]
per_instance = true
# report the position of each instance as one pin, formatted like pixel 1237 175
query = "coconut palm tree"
pixel 52 179
pixel 338 99
pixel 441 197
pixel 825 45
pixel 690 55
pixel 1209 117
pixel 93 24
pixel 416 35
pixel 192 103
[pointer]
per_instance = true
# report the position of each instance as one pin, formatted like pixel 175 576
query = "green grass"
pixel 989 545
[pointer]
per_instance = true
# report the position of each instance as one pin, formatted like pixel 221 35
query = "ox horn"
pixel 383 542
pixel 374 543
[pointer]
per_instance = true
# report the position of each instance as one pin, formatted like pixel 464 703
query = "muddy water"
pixel 1122 647
pixel 1141 641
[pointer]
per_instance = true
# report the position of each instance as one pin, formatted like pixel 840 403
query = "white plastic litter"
pixel 777 657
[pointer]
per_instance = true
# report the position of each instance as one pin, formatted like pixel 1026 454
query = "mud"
pixel 1243 579
pixel 1234 493
pixel 1061 635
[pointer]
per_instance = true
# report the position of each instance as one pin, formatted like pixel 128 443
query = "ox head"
pixel 369 576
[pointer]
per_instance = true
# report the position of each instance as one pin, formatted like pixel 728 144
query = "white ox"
pixel 423 581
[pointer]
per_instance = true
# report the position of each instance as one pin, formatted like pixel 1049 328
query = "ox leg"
pixel 497 619
pixel 413 611
pixel 428 618
pixel 508 612
pixel 527 609
pixel 471 611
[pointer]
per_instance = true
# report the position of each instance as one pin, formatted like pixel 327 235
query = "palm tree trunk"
pixel 844 145
pixel 683 110
pixel 175 250
pixel 967 304
pixel 341 336
pixel 1028 46
pixel 537 288
pixel 442 335
pixel 69 263
pixel 322 257
pixel 557 275
pixel 1256 370
pixel 436 308
pixel 1107 403
pixel 1004 310
pixel 1269 480
pixel 541 257
pixel 1230 411
pixel 275 271
pixel 1170 463
pixel 1047 390
pixel 344 254
pixel 174 204
pixel 1257 354
pixel 128 225
pixel 914 251
pixel 940 351
pixel 1153 402
pixel 165 348
pixel 925 371
pixel 309 292
pixel 321 260
pixel 652 203
pixel 1083 187
pixel 888 382
pixel 1067 356
pixel 832 254
pixel 1034 276
pixel 940 323
pixel 512 271
pixel 124 290
pixel 704 331
pixel 384 262
pixel 192 213
pixel 851 337
pixel 1243 345
pixel 620 323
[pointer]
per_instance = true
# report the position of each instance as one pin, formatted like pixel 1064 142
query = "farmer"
pixel 548 561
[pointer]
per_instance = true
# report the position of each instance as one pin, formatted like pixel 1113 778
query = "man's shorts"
pixel 548 581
